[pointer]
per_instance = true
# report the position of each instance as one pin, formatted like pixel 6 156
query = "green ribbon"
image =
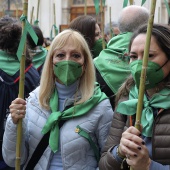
pixel 125 3
pixel 167 7
pixel 36 22
pixel 55 30
pixel 158 100
pixel 143 1
pixel 96 5
pixel 28 28
pixel 9 63
pixel 87 136
pixel 75 111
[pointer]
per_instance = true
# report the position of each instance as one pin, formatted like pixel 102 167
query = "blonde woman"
pixel 68 109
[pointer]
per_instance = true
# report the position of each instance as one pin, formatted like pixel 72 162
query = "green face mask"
pixel 68 71
pixel 98 47
pixel 154 73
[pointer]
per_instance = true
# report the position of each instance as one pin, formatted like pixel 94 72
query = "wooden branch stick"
pixel 21 94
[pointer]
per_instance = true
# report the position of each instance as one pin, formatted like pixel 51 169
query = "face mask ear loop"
pixel 162 65
pixel 82 65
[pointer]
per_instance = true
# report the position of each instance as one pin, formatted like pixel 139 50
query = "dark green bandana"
pixel 98 47
pixel 158 100
pixel 112 64
pixel 9 63
pixel 75 111
pixel 39 57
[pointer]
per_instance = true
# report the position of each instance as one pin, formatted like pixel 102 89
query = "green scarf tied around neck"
pixel 158 100
pixel 9 63
pixel 39 58
pixel 75 111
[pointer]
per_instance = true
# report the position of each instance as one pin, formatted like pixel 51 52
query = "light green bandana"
pixel 39 58
pixel 75 111
pixel 9 63
pixel 112 64
pixel 158 100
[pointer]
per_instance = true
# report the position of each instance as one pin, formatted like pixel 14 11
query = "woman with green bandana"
pixel 89 28
pixel 37 51
pixel 10 34
pixel 148 149
pixel 68 113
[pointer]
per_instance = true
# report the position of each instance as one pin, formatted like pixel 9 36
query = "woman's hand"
pixel 17 109
pixel 133 147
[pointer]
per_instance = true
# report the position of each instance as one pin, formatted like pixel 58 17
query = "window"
pixel 11 7
pixel 82 2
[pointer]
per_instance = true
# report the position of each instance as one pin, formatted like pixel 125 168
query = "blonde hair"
pixel 87 80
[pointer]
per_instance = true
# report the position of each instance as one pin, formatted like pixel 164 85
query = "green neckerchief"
pixel 158 100
pixel 98 47
pixel 75 111
pixel 112 64
pixel 9 63
pixel 39 58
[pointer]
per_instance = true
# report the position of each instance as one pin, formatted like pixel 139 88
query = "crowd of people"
pixel 80 100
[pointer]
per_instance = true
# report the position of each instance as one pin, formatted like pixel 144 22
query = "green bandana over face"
pixel 113 63
pixel 98 47
pixel 9 63
pixel 158 100
pixel 75 111
pixel 154 73
pixel 68 71
pixel 39 57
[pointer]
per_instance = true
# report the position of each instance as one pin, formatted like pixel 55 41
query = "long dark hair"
pixel 85 25
pixel 10 35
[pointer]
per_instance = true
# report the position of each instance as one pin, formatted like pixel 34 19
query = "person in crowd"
pixel 10 35
pixel 89 28
pixel 47 43
pixel 112 66
pixel 148 149
pixel 111 30
pixel 68 110
pixel 37 51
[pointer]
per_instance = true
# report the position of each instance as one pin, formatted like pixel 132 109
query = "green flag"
pixel 167 7
pixel 97 4
pixel 143 1
pixel 125 3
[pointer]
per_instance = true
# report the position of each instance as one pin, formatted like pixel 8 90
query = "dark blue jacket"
pixel 9 89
